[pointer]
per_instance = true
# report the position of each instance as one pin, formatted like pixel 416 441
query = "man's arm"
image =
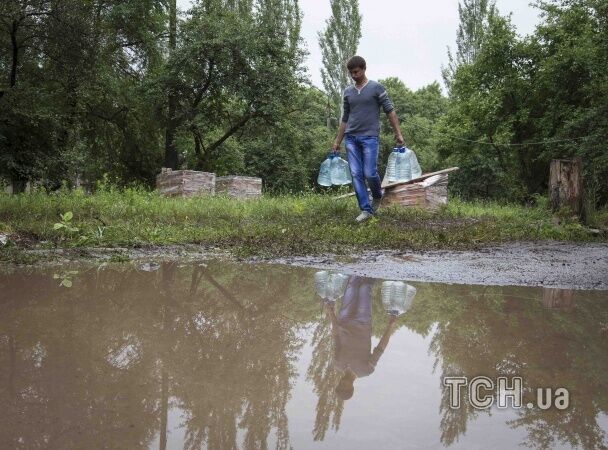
pixel 389 110
pixel 379 350
pixel 343 122
pixel 329 309
pixel 340 136
pixel 394 120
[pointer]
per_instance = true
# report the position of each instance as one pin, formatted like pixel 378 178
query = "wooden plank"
pixel 413 180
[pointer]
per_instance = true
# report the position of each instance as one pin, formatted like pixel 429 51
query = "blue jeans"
pixel 362 153
pixel 357 302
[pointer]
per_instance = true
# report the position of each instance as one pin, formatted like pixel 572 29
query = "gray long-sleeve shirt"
pixel 361 109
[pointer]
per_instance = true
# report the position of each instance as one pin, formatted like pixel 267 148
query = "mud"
pixel 564 265
pixel 547 264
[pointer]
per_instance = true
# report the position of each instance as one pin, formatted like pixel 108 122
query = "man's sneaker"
pixel 376 202
pixel 363 216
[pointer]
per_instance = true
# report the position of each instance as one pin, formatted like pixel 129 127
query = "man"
pixel 352 335
pixel 361 125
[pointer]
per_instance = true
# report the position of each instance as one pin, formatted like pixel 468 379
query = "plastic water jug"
pixel 397 297
pixel 391 175
pixel 416 169
pixel 324 178
pixel 403 168
pixel 340 171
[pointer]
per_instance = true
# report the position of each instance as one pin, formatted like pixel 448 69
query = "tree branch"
pixel 232 130
pixel 199 95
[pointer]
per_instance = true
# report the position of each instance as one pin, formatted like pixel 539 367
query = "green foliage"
pixel 271 226
pixel 419 112
pixel 548 87
pixel 84 89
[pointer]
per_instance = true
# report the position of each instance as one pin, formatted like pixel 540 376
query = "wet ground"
pixel 215 354
pixel 555 264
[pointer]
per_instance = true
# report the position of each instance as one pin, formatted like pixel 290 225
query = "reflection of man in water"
pixel 352 332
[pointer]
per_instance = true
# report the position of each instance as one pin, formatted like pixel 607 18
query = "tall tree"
pixel 474 15
pixel 338 43
pixel 237 61
pixel 170 147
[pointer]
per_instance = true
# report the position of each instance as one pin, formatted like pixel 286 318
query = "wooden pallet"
pixel 185 183
pixel 428 190
pixel 430 193
pixel 239 187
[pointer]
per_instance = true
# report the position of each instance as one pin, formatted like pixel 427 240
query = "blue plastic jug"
pixel 403 168
pixel 324 178
pixel 391 175
pixel 416 169
pixel 340 171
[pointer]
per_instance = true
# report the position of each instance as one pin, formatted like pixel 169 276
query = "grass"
pixel 269 226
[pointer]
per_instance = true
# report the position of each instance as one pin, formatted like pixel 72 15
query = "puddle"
pixel 221 355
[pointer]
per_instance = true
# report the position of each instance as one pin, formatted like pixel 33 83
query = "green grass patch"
pixel 269 226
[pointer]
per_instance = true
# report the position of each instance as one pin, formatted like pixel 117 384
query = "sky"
pixel 407 39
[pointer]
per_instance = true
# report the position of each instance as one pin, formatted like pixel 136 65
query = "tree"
pixel 170 148
pixel 338 43
pixel 474 16
pixel 419 112
pixel 236 61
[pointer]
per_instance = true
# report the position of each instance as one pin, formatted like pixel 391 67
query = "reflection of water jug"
pixel 340 171
pixel 321 283
pixel 330 286
pixel 324 178
pixel 397 297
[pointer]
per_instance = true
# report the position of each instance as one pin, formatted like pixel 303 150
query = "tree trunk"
pixel 170 148
pixel 566 185
pixel 15 54
pixel 19 184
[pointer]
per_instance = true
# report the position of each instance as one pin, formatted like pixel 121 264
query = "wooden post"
pixel 558 299
pixel 566 185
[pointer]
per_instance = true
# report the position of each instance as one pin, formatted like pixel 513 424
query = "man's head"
pixel 345 387
pixel 356 67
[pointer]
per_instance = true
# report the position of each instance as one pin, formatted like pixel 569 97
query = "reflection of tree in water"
pixel 325 379
pixel 65 389
pixel 503 332
pixel 240 364
pixel 99 365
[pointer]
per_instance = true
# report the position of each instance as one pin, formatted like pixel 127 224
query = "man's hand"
pixel 400 141
pixel 335 147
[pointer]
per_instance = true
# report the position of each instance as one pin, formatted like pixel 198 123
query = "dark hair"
pixel 344 393
pixel 355 62
pixel 345 388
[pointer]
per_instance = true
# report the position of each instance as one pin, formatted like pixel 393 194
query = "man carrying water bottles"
pixel 361 126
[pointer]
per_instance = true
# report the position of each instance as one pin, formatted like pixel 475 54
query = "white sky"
pixel 407 39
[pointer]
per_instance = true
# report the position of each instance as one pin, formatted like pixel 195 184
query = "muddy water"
pixel 219 355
